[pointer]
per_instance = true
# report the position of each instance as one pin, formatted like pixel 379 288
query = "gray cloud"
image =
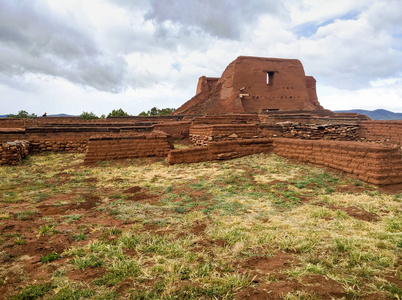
pixel 33 39
pixel 222 19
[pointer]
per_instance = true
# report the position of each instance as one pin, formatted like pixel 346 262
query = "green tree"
pixel 88 116
pixel 157 112
pixel 22 114
pixel 118 113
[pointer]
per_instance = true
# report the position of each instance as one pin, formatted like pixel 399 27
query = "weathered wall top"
pixel 255 84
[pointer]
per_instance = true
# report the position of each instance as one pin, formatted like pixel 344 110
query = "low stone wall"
pixel 122 146
pixel 201 135
pixel 311 117
pixel 12 152
pixel 177 130
pixel 340 132
pixel 387 132
pixel 377 164
pixel 220 151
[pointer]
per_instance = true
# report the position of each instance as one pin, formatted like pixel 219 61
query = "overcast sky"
pixel 70 56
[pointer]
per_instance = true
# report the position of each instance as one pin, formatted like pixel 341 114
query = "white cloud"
pixel 99 55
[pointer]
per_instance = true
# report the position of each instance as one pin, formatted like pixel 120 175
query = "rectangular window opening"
pixel 270 78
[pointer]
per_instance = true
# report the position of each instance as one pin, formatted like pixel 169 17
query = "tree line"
pixel 22 114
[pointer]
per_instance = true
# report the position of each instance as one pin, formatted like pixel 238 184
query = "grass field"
pixel 258 227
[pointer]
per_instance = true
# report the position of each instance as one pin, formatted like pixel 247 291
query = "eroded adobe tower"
pixel 255 84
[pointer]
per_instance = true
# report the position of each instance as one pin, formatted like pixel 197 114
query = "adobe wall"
pixel 252 84
pixel 15 123
pixel 65 121
pixel 286 89
pixel 177 130
pixel 62 138
pixel 220 151
pixel 227 119
pixel 340 132
pixel 388 132
pixel 206 84
pixel 13 152
pixel 373 163
pixel 203 134
pixel 123 146
pixel 311 117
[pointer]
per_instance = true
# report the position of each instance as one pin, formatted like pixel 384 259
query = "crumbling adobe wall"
pixel 177 130
pixel 340 132
pixel 252 84
pixel 70 138
pixel 15 123
pixel 227 119
pixel 388 132
pixel 220 151
pixel 12 134
pixel 373 163
pixel 122 146
pixel 13 152
pixel 204 134
pixel 78 121
pixel 311 117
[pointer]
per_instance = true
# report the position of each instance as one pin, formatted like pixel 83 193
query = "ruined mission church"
pixel 258 105
pixel 254 85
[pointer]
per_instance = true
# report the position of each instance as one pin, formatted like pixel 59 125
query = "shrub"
pixel 118 113
pixel 88 116
pixel 22 114
pixel 157 112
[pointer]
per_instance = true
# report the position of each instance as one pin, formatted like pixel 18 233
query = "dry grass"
pixel 192 231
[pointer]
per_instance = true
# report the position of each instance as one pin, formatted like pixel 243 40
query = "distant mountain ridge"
pixel 378 114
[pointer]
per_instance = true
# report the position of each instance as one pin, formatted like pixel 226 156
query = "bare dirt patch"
pixel 86 275
pixel 323 287
pixel 263 265
pixel 132 190
pixel 198 229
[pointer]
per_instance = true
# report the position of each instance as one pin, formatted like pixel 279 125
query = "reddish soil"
pixel 323 287
pixel 198 229
pixel 263 265
pixel 135 194
pixel 132 190
pixel 391 189
pixel 87 275
pixel 355 212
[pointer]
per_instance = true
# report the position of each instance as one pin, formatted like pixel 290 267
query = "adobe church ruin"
pixel 259 105
pixel 254 84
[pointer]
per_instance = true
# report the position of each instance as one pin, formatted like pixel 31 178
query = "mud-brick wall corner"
pixel 13 152
pixel 369 162
pixel 220 151
pixel 387 132
pixel 123 146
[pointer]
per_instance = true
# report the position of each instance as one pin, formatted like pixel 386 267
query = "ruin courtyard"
pixel 249 190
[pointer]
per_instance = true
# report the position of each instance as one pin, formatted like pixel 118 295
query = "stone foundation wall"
pixel 201 135
pixel 387 132
pixel 220 151
pixel 177 130
pixel 122 146
pixel 12 152
pixel 377 164
pixel 340 132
